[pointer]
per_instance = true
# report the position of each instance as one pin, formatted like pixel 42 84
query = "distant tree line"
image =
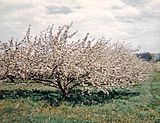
pixel 149 56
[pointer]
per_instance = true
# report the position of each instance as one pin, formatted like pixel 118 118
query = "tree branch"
pixel 69 82
pixel 47 82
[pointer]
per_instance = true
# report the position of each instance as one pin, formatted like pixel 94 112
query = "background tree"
pixel 145 56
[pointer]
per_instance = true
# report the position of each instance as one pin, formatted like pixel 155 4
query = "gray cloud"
pixel 126 19
pixel 116 7
pixel 135 2
pixel 59 10
pixel 7 8
pixel 136 21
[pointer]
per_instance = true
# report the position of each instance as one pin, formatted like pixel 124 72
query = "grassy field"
pixel 27 103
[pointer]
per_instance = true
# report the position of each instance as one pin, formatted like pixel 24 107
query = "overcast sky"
pixel 134 21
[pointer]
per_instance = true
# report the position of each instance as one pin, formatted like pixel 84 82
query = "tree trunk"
pixel 64 91
pixel 10 78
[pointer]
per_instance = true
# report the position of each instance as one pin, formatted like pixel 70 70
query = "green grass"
pixel 34 103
